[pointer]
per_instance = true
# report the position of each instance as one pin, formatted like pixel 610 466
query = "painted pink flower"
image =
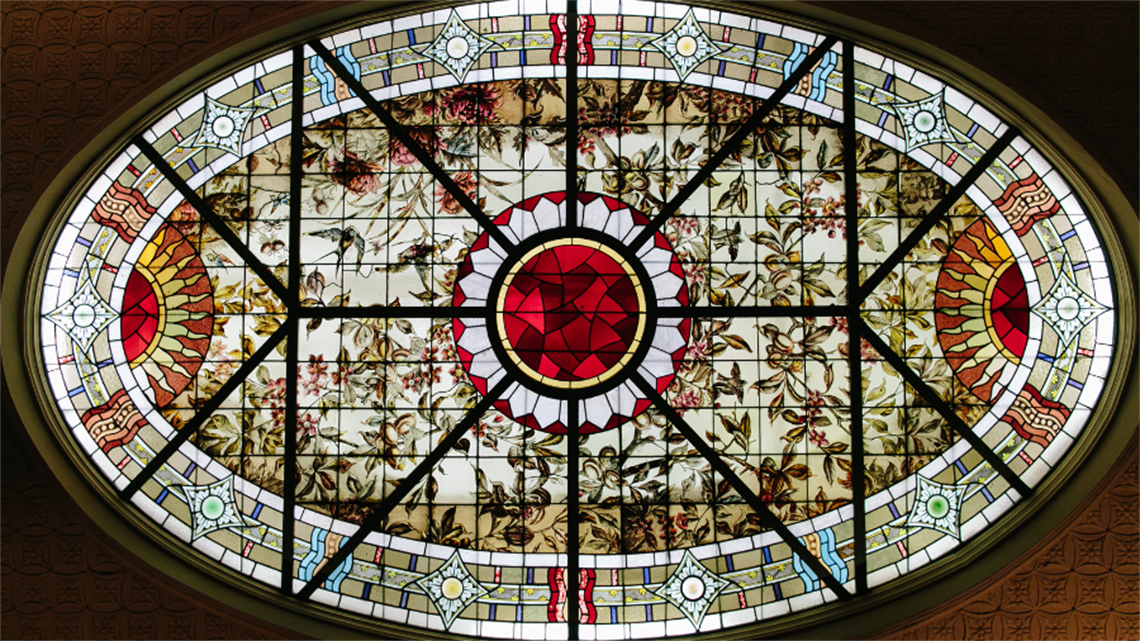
pixel 472 104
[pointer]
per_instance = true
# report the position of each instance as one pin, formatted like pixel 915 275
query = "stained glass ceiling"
pixel 374 323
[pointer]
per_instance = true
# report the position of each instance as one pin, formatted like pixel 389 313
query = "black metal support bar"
pixel 572 614
pixel 204 412
pixel 210 216
pixel 854 343
pixel 401 134
pixel 761 311
pixel 387 311
pixel 941 209
pixel 767 518
pixel 943 408
pixel 407 485
pixel 292 303
pixel 745 130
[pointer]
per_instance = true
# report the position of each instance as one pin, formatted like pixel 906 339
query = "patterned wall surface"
pixel 69 67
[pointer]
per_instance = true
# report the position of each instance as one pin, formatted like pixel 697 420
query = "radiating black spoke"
pixel 380 512
pixel 572 578
pixel 204 412
pixel 401 133
pixel 768 518
pixel 210 216
pixel 389 311
pixel 755 120
pixel 293 304
pixel 854 355
pixel 941 209
pixel 942 407
pixel 754 311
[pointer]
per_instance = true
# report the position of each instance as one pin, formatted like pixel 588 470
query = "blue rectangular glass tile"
pixel 760 41
pixel 71 272
pixel 494 59
pixel 87 243
pixel 961 467
pixel 1069 234
pixel 1075 384
pixel 190 468
pixel 522 56
pixel 412 563
pixel 526 23
pixel 162 497
pixel 530 575
pixel 883 119
pixel 75 392
pixel 720 70
pixel 649 24
pixel 257 510
pixel 767 556
pixel 970 134
pixel 1079 266
pixel 986 493
pixel 728 561
pixel 403 599
pixel 887 82
pixel 491 614
pixel 367 591
pixel 894 510
pixel 412 36
pixel 102 364
pixel 779 592
pixel 193 166
pixel 613 614
pixel 518 614
pixel 257 83
pixel 645 575
pixel 613 57
pixel 1045 357
pixel 648 613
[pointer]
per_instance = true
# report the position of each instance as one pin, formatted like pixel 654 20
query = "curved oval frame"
pixel 1109 428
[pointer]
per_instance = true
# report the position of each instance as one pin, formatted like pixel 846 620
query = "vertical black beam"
pixel 292 303
pixel 572 570
pixel 854 343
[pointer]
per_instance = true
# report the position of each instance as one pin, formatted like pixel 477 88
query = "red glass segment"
pixel 1009 309
pixel 571 312
pixel 139 321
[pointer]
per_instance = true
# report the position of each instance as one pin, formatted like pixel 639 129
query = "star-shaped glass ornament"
pixel 686 45
pixel 451 588
pixel 457 47
pixel 83 315
pixel 212 507
pixel 223 126
pixel 692 588
pixel 924 121
pixel 1066 308
pixel 937 507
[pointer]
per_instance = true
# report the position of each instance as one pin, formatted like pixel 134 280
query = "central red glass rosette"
pixel 572 313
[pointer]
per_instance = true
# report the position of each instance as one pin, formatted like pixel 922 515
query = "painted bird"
pixel 345 240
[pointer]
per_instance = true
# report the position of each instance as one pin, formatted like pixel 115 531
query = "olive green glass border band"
pixel 1108 433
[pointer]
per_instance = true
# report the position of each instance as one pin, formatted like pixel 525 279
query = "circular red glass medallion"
pixel 571 312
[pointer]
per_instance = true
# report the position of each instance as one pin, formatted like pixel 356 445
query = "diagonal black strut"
pixel 936 214
pixel 407 485
pixel 755 120
pixel 204 412
pixel 942 407
pixel 769 519
pixel 211 217
pixel 401 133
